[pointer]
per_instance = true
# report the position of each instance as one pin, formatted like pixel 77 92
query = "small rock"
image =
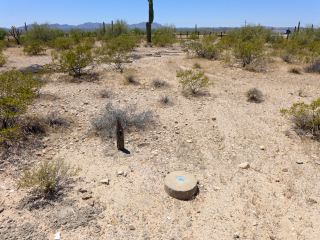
pixel 90 202
pixel 189 141
pixel 244 165
pixel 177 132
pixel 317 163
pixel 236 235
pixel 1 210
pixel 101 216
pixel 131 227
pixel 82 190
pixel 105 181
pixel 86 196
pixel 120 173
pixel 262 147
pixel 255 224
pixel 277 180
pixel 125 174
pixel 285 170
pixel 216 188
pixel 299 162
pixel 57 236
pixel 188 224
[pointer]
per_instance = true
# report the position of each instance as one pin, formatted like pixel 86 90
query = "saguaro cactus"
pixel 25 27
pixel 151 17
pixel 112 28
pixel 298 26
pixel 103 28
pixel 120 136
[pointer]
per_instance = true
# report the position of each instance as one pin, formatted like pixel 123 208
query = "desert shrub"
pixel 76 34
pixel 3 59
pixel 305 116
pixel 3 33
pixel 105 93
pixel 254 95
pixel 163 40
pixel 248 52
pixel 47 177
pixel 61 43
pixel 192 81
pixel 115 51
pixel 313 68
pixel 34 47
pixel 17 90
pixel 75 59
pixel 196 65
pixel 54 119
pixel 34 125
pixel 42 32
pixel 158 83
pixel 295 70
pixel 194 36
pixel 105 125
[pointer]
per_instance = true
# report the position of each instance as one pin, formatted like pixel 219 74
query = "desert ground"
pixel 208 135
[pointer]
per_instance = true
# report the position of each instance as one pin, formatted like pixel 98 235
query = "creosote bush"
pixel 305 117
pixel 131 79
pixel 313 68
pixel 192 81
pixel 34 47
pixel 75 60
pixel 47 177
pixel 3 59
pixel 254 95
pixel 17 90
pixel 105 125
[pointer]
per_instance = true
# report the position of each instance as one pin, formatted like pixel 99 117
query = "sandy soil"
pixel 208 136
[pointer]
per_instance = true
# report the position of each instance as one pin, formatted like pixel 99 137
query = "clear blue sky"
pixel 181 13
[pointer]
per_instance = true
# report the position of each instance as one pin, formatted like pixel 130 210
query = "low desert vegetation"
pixel 254 95
pixel 165 99
pixel 17 91
pixel 305 117
pixel 295 70
pixel 164 36
pixel 42 32
pixel 34 47
pixel 158 83
pixel 61 43
pixel 3 33
pixel 105 125
pixel 3 59
pixel 48 177
pixel 193 81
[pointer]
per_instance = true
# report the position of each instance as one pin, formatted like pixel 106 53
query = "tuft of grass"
pixel 165 99
pixel 131 79
pixel 47 177
pixel 105 125
pixel 158 83
pixel 55 119
pixel 295 70
pixel 254 95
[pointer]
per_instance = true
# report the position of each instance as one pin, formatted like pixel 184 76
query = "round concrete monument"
pixel 180 185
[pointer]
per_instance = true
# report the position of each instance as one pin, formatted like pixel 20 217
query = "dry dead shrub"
pixel 313 68
pixel 130 79
pixel 105 125
pixel 254 95
pixel 105 93
pixel 158 83
pixel 295 70
pixel 165 99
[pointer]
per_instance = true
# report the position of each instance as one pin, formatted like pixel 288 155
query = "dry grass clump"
pixel 105 125
pixel 105 93
pixel 131 79
pixel 165 99
pixel 295 70
pixel 196 65
pixel 254 95
pixel 158 83
pixel 47 177
pixel 313 68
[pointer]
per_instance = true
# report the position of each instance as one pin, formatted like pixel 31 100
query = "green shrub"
pixel 34 47
pixel 42 32
pixel 119 27
pixel 61 43
pixel 163 40
pixel 105 125
pixel 3 33
pixel 17 90
pixel 204 49
pixel 76 34
pixel 48 176
pixel 248 51
pixel 193 81
pixel 305 116
pixel 75 59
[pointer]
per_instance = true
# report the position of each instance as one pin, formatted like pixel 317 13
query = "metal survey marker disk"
pixel 180 185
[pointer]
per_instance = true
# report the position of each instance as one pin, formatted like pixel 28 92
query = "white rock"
pixel 189 141
pixel 244 165
pixel 105 181
pixel 120 173
pixel 57 236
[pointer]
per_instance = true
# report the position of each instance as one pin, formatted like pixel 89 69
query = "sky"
pixel 181 13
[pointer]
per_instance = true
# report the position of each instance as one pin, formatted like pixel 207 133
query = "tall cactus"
pixel 151 17
pixel 103 28
pixel 298 26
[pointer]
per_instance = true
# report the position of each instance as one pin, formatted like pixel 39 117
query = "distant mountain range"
pixel 142 25
pixel 92 26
